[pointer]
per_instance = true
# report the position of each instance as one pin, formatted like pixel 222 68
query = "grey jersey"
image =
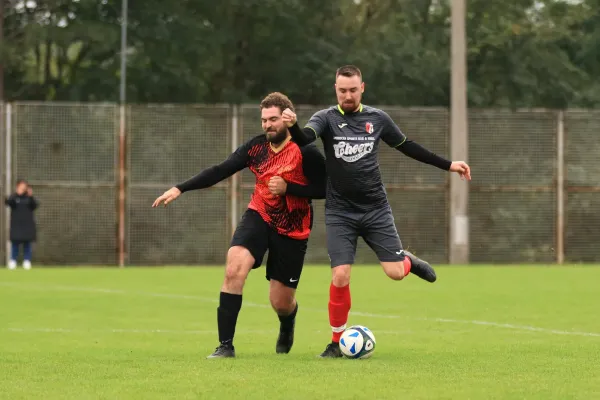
pixel 351 141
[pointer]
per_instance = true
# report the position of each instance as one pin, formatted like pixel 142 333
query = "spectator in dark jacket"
pixel 22 223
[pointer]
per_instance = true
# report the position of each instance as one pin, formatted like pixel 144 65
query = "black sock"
pixel 227 313
pixel 287 321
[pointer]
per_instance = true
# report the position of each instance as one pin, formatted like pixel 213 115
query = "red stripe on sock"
pixel 339 307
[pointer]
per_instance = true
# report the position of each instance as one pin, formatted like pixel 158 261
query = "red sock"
pixel 407 265
pixel 339 307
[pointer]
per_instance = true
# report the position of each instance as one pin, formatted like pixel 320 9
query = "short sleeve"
pixel 391 135
pixel 318 123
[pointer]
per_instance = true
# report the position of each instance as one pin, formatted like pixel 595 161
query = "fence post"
pixel 8 175
pixel 122 172
pixel 560 188
pixel 233 214
pixel 459 134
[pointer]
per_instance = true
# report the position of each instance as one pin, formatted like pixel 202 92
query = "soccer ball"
pixel 357 342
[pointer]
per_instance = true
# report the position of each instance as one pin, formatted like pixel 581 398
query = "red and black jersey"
pixel 303 168
pixel 289 215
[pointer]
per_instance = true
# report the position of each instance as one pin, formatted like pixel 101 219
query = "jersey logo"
pixel 350 152
pixel 369 127
pixel 342 125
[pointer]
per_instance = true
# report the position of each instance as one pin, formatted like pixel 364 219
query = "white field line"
pixel 43 287
pixel 133 331
pixel 163 331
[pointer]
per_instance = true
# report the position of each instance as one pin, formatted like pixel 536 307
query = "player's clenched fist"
pixel 289 117
pixel 277 186
pixel 167 197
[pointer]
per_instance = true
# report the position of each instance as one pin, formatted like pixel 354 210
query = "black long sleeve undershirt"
pixel 420 153
pixel 302 136
pixel 309 191
pixel 313 166
pixel 215 174
pixel 408 148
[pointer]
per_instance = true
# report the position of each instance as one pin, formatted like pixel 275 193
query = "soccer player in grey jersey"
pixel 356 203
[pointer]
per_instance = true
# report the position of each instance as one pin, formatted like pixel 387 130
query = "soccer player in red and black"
pixel 279 219
pixel 357 203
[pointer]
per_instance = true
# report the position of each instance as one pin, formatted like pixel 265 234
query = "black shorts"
pixel 286 255
pixel 376 227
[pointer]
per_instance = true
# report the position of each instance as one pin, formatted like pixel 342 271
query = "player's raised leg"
pixel 420 267
pixel 380 233
pixel 239 264
pixel 397 270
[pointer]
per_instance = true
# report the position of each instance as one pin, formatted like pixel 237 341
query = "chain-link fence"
pixel 69 153
pixel 512 202
pixel 168 144
pixel 582 155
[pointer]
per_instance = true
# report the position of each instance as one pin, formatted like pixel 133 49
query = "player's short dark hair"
pixel 20 181
pixel 348 71
pixel 277 99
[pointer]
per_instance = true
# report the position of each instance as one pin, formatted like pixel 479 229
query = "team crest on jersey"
pixel 369 127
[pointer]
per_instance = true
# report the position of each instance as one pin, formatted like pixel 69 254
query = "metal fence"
pixel 534 195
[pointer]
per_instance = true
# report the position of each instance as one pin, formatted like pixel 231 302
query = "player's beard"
pixel 350 106
pixel 276 137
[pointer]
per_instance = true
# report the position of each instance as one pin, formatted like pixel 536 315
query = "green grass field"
pixel 144 333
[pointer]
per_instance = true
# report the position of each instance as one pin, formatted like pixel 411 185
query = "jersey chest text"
pixel 353 140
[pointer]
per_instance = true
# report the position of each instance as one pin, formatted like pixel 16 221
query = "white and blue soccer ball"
pixel 357 341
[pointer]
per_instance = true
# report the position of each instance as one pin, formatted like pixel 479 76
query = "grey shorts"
pixel 376 227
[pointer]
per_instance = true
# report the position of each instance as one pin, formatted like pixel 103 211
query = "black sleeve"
pixel 313 165
pixel 420 153
pixel 33 203
pixel 317 126
pixel 302 136
pixel 212 175
pixel 394 137
pixel 10 201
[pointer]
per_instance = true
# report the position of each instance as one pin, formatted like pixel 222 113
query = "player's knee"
pixel 282 298
pixel 282 305
pixel 234 273
pixel 341 275
pixel 239 262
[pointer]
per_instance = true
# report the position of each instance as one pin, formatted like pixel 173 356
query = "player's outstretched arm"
pixel 207 178
pixel 313 165
pixel 394 137
pixel 420 153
